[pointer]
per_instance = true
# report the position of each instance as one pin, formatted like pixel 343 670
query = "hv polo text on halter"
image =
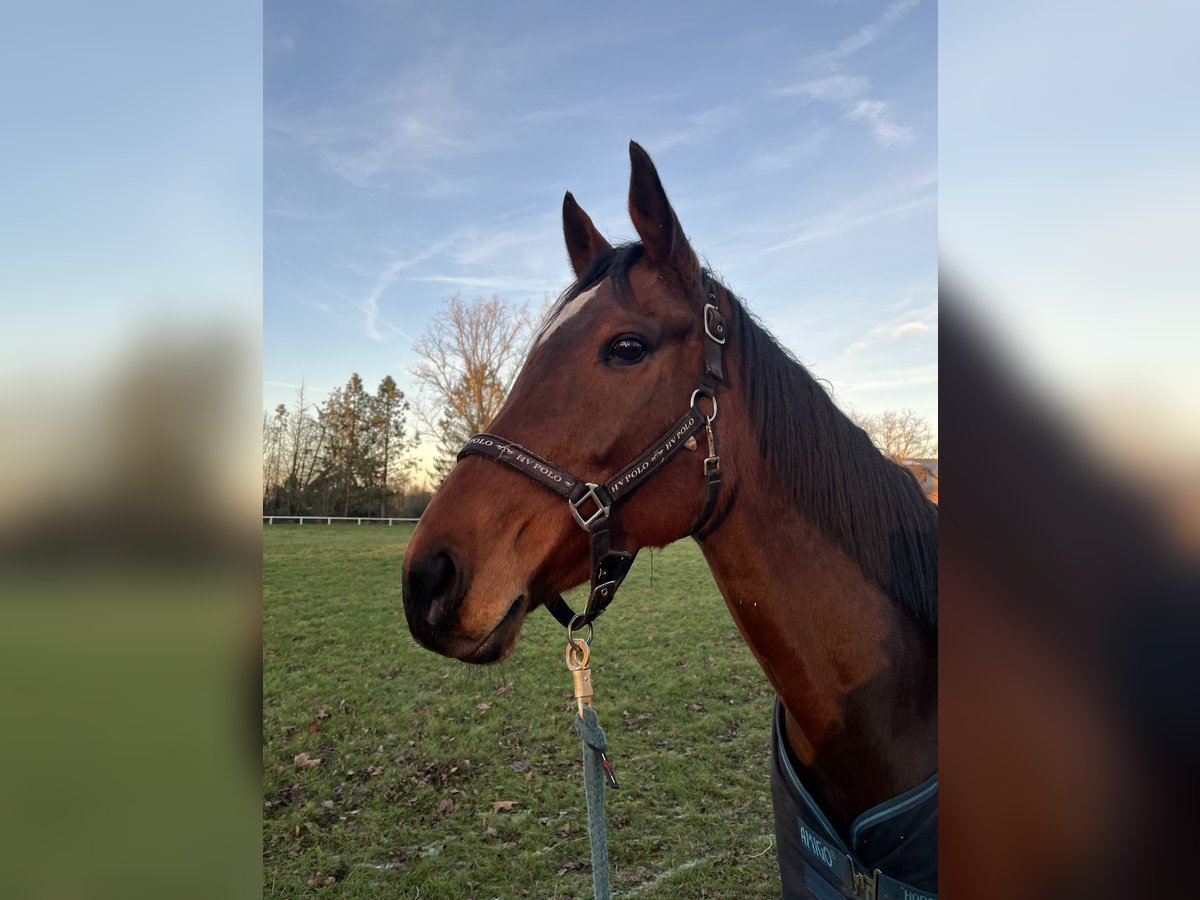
pixel 593 506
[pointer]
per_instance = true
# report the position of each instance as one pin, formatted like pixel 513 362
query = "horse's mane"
pixel 864 502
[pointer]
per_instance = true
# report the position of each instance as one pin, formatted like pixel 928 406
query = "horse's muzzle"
pixel 433 588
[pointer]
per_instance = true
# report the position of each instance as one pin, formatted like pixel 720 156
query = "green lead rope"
pixel 596 777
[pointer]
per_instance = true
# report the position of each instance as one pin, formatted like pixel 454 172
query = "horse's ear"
pixel 584 242
pixel 653 217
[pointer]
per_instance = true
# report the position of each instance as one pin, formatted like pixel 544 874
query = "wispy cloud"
pixel 788 155
pixel 843 220
pixel 408 129
pixel 600 107
pixel 580 110
pixel 287 206
pixel 697 129
pixel 386 278
pixel 851 93
pixel 494 282
pixel 892 379
pixel 503 256
pixel 376 325
pixel 868 34
pixel 897 198
pixel 831 89
pixel 908 323
pixel 857 213
pixel 879 116
pixel 496 242
pixel 317 304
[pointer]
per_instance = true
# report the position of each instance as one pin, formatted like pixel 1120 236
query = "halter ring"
pixel 571 639
pixel 705 392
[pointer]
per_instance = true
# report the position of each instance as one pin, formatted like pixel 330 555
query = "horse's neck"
pixel 855 674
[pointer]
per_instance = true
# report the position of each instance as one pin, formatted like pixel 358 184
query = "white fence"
pixel 329 520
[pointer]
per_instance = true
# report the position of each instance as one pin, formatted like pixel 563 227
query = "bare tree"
pixel 470 354
pixel 274 438
pixel 902 434
pixel 304 442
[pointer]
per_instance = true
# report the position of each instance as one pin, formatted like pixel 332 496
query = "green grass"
pixel 415 749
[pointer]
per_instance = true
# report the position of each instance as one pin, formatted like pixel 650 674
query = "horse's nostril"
pixel 434 587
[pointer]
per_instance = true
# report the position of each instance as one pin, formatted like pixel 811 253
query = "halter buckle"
pixel 714 323
pixel 601 510
pixel 604 590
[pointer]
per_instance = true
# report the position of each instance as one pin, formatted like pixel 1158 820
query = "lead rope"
pixel 592 737
pixel 597 770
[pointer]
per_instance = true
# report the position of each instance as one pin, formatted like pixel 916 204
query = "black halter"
pixel 593 506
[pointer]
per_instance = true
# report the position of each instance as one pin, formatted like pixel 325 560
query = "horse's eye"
pixel 627 349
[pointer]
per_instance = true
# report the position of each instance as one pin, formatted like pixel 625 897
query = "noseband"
pixel 594 506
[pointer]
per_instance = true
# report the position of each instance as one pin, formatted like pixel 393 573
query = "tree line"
pixel 350 455
pixel 353 454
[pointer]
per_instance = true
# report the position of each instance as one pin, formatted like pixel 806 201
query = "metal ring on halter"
pixel 707 393
pixel 571 627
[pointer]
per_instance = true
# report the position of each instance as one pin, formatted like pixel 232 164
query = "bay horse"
pixel 824 550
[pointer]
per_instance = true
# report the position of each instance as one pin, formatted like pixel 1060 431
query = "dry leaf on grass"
pixel 340 871
pixel 302 761
pixel 503 805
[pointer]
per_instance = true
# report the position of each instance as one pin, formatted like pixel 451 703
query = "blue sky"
pixel 416 150
pixel 133 178
pixel 1068 208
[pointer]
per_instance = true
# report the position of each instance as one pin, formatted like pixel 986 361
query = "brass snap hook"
pixel 578 654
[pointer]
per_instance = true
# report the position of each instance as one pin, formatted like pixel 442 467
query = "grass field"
pixel 439 779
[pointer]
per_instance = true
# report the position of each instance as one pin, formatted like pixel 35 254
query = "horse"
pixel 824 549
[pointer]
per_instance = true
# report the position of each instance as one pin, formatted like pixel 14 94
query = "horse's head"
pixel 614 366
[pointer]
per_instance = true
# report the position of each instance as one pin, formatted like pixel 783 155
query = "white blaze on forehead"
pixel 569 310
